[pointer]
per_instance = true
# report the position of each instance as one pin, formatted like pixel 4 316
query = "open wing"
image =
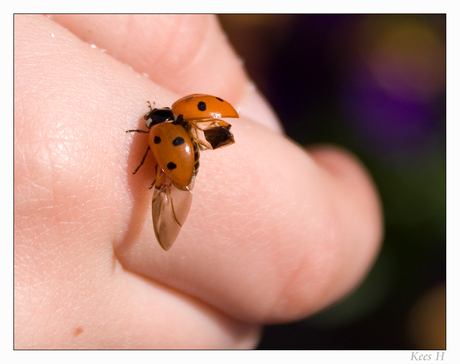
pixel 170 208
pixel 212 133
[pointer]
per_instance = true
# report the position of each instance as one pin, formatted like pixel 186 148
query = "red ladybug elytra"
pixel 176 136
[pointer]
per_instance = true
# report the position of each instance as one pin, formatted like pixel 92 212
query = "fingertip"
pixel 253 105
pixel 184 53
pixel 347 170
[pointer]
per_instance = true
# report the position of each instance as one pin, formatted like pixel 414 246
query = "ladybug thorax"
pixel 158 116
pixel 173 150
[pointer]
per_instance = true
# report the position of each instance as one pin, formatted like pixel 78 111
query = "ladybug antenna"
pixel 150 105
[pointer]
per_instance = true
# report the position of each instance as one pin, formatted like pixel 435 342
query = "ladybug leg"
pixel 194 134
pixel 153 184
pixel 137 131
pixel 159 178
pixel 143 160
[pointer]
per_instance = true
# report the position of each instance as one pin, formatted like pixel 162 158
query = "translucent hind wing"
pixel 211 134
pixel 170 208
pixel 219 137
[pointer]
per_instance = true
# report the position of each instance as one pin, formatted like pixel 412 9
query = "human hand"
pixel 275 232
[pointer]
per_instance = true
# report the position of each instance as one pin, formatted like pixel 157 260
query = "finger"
pixel 183 53
pixel 84 305
pixel 173 50
pixel 254 245
pixel 273 233
pixel 70 151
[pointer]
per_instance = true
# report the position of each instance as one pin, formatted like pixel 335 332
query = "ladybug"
pixel 176 136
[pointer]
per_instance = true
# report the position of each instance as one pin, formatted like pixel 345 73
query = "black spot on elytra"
pixel 178 141
pixel 202 106
pixel 171 166
pixel 157 139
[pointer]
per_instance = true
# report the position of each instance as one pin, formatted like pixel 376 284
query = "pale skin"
pixel 276 232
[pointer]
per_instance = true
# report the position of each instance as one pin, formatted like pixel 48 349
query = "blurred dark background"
pixel 376 85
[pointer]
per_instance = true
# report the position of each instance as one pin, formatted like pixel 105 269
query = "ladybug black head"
pixel 157 116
